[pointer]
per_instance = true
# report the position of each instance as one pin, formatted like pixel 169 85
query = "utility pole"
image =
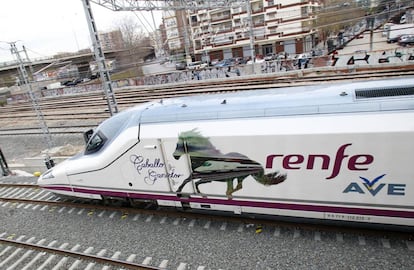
pixel 40 117
pixel 158 46
pixel 30 63
pixel 186 40
pixel 251 33
pixel 370 25
pixel 100 59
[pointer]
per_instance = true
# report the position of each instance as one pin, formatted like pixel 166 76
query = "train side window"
pixel 95 143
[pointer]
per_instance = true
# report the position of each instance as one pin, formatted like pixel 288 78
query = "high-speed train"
pixel 339 152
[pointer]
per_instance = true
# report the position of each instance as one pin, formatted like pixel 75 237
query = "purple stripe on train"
pixel 272 205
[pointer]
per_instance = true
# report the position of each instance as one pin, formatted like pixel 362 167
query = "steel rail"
pixel 72 129
pixel 251 81
pixel 51 127
pixel 128 97
pixel 75 108
pixel 142 95
pixel 79 255
pixel 199 215
pixel 19 185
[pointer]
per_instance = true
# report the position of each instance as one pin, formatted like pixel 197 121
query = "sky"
pixel 47 27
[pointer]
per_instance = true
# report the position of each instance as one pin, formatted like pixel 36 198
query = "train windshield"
pixel 107 131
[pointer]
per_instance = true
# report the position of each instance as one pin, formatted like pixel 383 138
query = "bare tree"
pixel 137 44
pixel 132 32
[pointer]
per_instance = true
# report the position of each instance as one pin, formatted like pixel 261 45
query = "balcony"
pixel 273 30
pixel 258 23
pixel 223 40
pixel 239 10
pixel 220 16
pixel 257 8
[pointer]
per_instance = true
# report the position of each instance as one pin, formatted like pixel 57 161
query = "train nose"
pixel 46 177
pixel 55 176
pixel 55 180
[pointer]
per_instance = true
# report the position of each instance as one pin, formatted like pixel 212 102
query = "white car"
pixel 196 65
pixel 270 56
pixel 258 60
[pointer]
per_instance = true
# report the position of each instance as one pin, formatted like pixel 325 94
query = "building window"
pixel 267 49
pixel 272 15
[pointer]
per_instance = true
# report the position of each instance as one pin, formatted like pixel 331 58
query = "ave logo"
pixel 371 187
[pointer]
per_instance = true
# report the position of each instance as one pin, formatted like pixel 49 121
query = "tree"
pixel 132 32
pixel 7 80
pixel 336 15
pixel 137 44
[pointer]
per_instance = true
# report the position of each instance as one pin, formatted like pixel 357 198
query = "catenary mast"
pixel 145 5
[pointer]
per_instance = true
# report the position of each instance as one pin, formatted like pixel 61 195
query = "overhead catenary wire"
pixel 286 24
pixel 142 24
pixel 287 27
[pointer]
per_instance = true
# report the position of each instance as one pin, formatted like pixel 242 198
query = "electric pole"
pixel 25 80
pixel 251 32
pixel 100 59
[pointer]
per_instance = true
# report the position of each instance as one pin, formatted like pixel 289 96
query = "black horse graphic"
pixel 209 164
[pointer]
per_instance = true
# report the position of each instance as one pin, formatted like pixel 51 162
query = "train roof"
pixel 355 97
pixel 367 96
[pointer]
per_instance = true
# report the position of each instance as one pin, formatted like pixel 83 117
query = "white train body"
pixel 332 152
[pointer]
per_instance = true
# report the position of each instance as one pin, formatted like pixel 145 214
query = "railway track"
pixel 75 110
pixel 58 253
pixel 29 195
pixel 31 254
pixel 54 130
pixel 36 254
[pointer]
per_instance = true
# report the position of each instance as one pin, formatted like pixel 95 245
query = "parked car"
pixel 303 56
pixel 164 60
pixel 241 60
pixel 180 65
pixel 214 62
pixel 224 63
pixel 94 76
pixel 394 39
pixel 405 40
pixel 72 82
pixel 403 19
pixel 257 60
pixel 270 56
pixel 317 52
pixel 196 65
pixel 283 56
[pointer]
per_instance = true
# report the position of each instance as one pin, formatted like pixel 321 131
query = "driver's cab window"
pixel 95 143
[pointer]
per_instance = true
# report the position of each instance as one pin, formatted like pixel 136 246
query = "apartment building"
pixel 111 40
pixel 269 26
pixel 175 33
